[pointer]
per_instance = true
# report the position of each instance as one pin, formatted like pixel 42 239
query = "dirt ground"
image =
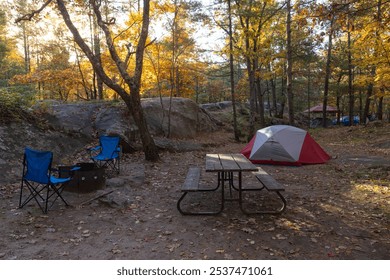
pixel 337 210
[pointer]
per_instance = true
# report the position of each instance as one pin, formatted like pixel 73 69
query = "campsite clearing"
pixel 337 210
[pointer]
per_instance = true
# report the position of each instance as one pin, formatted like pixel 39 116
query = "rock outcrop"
pixel 68 128
pixel 181 118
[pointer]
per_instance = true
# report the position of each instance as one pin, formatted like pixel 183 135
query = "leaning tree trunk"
pixel 131 99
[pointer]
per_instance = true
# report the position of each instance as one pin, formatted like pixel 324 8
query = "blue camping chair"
pixel 38 179
pixel 107 153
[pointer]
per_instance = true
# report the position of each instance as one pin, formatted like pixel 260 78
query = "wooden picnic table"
pixel 227 167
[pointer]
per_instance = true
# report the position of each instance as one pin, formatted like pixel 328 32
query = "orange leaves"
pixel 48 76
pixel 60 82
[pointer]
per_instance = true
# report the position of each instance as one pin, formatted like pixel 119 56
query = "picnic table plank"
pixel 192 180
pixel 244 163
pixel 228 163
pixel 268 181
pixel 213 163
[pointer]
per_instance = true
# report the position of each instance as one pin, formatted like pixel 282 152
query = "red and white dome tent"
pixel 284 145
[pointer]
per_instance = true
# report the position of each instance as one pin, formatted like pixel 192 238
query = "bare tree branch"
pixel 33 13
pixel 95 60
pixel 130 52
pixel 120 64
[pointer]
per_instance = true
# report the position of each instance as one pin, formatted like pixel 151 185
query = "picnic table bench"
pixel 192 180
pixel 192 184
pixel 271 185
pixel 225 165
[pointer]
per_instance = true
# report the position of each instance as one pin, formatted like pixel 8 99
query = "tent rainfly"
pixel 284 145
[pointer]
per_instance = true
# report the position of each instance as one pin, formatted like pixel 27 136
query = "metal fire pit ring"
pixel 87 179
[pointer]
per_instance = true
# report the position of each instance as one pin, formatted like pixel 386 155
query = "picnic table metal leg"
pixel 277 211
pixel 194 213
pixel 220 184
pixel 231 183
pixel 240 189
pixel 227 176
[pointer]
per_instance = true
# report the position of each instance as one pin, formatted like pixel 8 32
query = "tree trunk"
pixel 327 72
pixel 132 99
pixel 99 82
pixel 149 147
pixel 378 40
pixel 231 64
pixel 260 100
pixel 252 98
pixel 290 95
pixel 380 108
pixel 173 73
pixel 366 110
pixel 282 94
pixel 350 77
pixel 338 97
pixel 308 91
pixel 274 100
pixel 26 49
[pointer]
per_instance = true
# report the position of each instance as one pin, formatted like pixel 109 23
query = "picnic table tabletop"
pixel 228 163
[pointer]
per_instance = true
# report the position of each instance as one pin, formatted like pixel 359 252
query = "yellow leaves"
pixel 363 80
pixel 15 56
pixel 79 2
pixel 373 187
pixel 382 74
pixel 267 75
pixel 53 80
pixel 19 79
pixel 304 12
pixel 163 7
pixel 301 17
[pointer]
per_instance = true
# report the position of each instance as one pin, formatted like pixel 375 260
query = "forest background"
pixel 278 57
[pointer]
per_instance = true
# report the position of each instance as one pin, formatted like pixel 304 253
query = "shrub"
pixel 13 104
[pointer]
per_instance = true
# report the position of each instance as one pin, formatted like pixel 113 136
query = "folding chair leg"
pixel 34 193
pixel 113 164
pixel 58 191
pixel 42 199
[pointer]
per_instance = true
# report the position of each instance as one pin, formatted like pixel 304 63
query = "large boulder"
pixel 184 117
pixel 96 118
pixel 217 106
pixel 72 117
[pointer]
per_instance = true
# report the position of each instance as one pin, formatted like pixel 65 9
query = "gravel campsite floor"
pixel 337 210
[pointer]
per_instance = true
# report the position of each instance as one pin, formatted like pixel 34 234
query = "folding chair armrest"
pixel 94 151
pixel 54 170
pixel 96 148
pixel 75 168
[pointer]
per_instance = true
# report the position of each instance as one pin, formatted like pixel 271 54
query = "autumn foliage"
pixel 176 62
